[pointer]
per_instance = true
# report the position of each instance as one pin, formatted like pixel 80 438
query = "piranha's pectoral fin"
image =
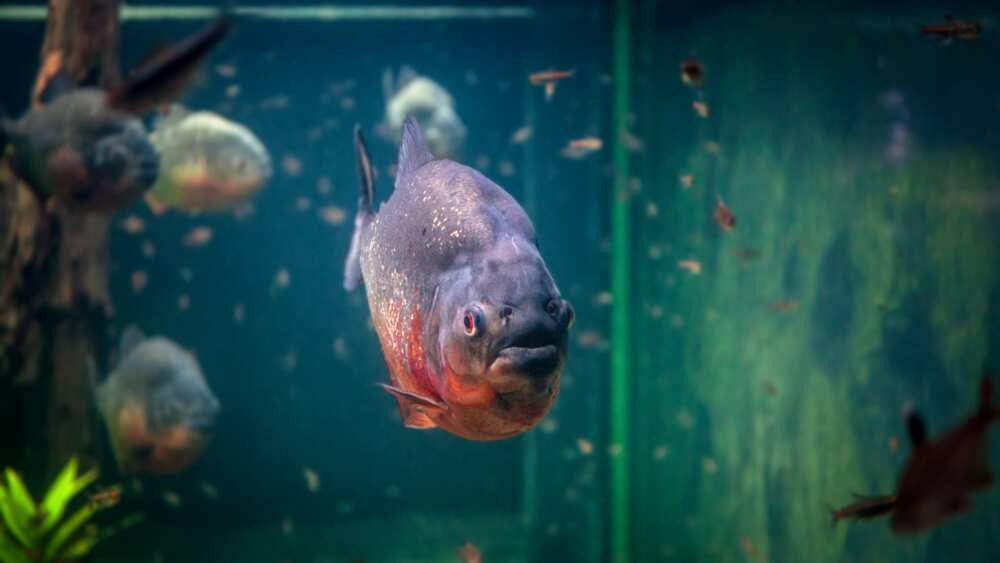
pixel 364 216
pixel 416 409
pixel 165 77
pixel 916 428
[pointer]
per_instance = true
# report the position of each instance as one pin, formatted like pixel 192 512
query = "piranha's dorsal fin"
pixel 916 428
pixel 364 216
pixel 413 151
pixel 415 409
pixel 164 78
pixel 132 337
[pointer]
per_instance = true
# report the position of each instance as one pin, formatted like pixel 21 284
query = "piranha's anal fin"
pixel 413 151
pixel 364 216
pixel 415 409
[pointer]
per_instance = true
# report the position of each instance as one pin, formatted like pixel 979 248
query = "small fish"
pixel 199 236
pixel 312 479
pixel 105 498
pixel 724 217
pixel 701 108
pixel 693 73
pixel 549 79
pixel 539 78
pixel 686 180
pixel 865 508
pixel 469 553
pixel 433 106
pixel 954 29
pixel 691 266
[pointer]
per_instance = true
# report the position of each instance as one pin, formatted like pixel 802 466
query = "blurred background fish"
pixel 408 94
pixel 156 404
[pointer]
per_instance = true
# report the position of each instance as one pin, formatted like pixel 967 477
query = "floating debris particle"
pixel 287 526
pixel 282 279
pixel 292 165
pixel 615 450
pixel 893 443
pixel 522 135
pixel 302 204
pixel 274 102
pixel 148 249
pixel 686 180
pixel 784 305
pixel 709 465
pixel 239 313
pixel 549 425
pixel 324 185
pixel 685 419
pixel 232 91
pixel 770 388
pixel 198 236
pixel 133 224
pixel 333 215
pixel 226 70
pixel 505 168
pixel 585 446
pixel 591 339
pixel 712 147
pixel 652 210
pixel 631 142
pixel 184 302
pixel 340 349
pixel 244 210
pixel 700 108
pixel 208 490
pixel 289 361
pixel 690 265
pixel 312 479
pixel 139 280
pixel 172 499
pixel 693 73
pixel 469 553
pixel 603 298
pixel 660 452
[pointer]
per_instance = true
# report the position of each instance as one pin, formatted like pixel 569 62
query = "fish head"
pixel 502 336
pixel 89 155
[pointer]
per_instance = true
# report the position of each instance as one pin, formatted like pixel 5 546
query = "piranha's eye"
pixel 471 323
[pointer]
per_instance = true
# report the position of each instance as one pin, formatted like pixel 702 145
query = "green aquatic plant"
pixel 41 532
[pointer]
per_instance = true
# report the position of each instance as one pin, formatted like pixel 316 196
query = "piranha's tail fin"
pixel 366 174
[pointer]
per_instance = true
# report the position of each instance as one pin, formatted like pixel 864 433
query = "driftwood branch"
pixel 54 301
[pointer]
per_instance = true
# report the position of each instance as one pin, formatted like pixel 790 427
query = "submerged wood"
pixel 54 299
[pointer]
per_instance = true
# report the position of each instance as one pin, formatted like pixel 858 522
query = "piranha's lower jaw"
pixel 538 362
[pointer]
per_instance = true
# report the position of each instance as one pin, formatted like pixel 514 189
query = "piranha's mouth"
pixel 535 362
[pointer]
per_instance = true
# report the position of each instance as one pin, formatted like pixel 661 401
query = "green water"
pixel 710 417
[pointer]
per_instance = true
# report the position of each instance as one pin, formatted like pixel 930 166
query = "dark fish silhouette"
pixel 942 473
pixel 953 29
pixel 471 323
pixel 87 146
